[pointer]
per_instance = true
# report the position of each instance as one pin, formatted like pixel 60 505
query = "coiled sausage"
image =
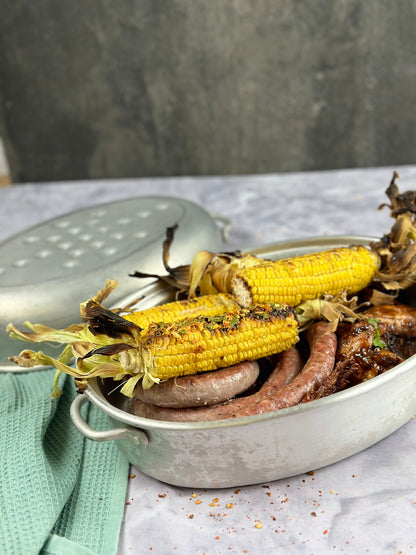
pixel 288 366
pixel 209 388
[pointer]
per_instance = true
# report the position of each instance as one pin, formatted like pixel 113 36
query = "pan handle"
pixel 224 224
pixel 137 436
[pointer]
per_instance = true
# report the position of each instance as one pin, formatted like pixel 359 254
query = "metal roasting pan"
pixel 259 448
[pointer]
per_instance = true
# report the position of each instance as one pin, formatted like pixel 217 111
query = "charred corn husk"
pixel 397 249
pixel 207 305
pixel 110 346
pixel 212 273
pixel 310 276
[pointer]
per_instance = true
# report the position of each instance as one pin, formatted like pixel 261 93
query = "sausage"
pixel 288 366
pixel 321 361
pixel 208 388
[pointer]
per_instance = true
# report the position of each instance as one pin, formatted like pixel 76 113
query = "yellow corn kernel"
pixel 203 344
pixel 207 305
pixel 295 280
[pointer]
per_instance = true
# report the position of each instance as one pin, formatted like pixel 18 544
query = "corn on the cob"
pixel 164 350
pixel 295 280
pixel 207 305
pixel 290 281
pixel 207 343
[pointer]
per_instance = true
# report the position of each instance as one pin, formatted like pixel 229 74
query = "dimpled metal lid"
pixel 48 270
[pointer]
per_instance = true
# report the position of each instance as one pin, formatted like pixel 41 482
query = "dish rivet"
pixel 70 263
pixel 119 236
pixel 63 224
pixel 124 221
pixel 140 234
pixel 43 254
pixel 65 246
pixel 21 263
pixel 54 238
pixel 31 239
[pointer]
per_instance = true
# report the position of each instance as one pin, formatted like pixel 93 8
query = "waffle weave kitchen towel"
pixel 60 493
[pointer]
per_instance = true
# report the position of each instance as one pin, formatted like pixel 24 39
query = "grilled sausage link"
pixel 321 361
pixel 288 366
pixel 198 390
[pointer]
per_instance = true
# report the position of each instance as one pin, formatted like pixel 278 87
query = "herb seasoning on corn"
pixel 207 305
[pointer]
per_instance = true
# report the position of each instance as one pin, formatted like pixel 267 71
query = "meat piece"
pixel 397 319
pixel 346 375
pixel 409 349
pixel 354 353
pixel 197 390
pixel 397 327
pixel 288 365
pixel 358 359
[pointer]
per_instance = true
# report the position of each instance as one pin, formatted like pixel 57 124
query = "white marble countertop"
pixel 364 504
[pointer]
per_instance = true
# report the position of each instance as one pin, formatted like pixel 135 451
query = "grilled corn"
pixel 306 277
pixel 207 305
pixel 111 346
pixel 391 261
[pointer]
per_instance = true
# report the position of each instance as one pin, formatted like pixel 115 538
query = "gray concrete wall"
pixel 110 88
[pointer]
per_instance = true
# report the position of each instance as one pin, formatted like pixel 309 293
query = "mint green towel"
pixel 60 493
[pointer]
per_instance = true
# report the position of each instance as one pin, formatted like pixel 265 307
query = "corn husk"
pixel 107 346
